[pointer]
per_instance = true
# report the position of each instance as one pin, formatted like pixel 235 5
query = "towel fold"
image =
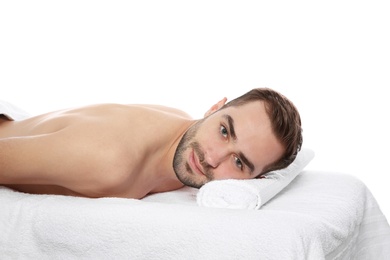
pixel 253 193
pixel 12 112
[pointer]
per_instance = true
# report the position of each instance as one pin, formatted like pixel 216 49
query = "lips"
pixel 195 164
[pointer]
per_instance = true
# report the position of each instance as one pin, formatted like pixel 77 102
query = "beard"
pixel 181 167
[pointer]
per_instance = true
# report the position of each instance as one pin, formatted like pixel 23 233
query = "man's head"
pixel 253 134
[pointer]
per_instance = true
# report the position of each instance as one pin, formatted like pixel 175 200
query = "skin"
pixel 128 151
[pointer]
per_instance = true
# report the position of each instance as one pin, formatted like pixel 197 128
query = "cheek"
pixel 227 170
pixel 209 141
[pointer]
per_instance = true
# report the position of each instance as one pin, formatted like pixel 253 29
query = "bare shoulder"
pixel 170 110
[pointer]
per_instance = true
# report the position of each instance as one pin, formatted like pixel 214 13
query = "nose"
pixel 215 155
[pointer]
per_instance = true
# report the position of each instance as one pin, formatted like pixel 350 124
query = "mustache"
pixel 200 154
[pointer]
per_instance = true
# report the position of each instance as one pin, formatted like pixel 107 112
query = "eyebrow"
pixel 233 134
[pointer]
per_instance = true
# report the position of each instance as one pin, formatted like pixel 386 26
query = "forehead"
pixel 251 118
pixel 255 137
pixel 254 112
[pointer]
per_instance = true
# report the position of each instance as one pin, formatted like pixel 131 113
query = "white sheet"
pixel 318 216
pixel 12 112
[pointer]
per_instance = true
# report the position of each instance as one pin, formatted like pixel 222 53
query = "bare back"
pixel 94 151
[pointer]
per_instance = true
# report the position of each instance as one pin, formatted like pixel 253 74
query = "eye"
pixel 238 163
pixel 224 132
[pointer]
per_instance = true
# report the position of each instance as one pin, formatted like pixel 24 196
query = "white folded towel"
pixel 253 193
pixel 12 112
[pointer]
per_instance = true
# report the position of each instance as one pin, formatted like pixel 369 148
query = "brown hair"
pixel 285 120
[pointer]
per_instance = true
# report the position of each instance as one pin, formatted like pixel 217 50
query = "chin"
pixel 188 179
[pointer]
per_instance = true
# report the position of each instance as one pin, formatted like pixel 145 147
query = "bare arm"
pixel 59 158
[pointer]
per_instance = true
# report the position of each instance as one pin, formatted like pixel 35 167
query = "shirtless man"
pixel 113 150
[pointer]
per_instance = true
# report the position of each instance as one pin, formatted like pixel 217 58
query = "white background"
pixel 331 58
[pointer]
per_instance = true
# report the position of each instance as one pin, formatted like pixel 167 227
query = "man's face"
pixel 232 143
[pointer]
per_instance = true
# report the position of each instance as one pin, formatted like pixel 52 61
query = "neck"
pixel 163 176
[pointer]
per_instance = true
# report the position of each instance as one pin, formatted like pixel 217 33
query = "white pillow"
pixel 253 193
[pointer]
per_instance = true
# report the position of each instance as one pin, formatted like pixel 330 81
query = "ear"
pixel 216 107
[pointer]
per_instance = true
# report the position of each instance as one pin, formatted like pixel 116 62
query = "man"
pixel 133 150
